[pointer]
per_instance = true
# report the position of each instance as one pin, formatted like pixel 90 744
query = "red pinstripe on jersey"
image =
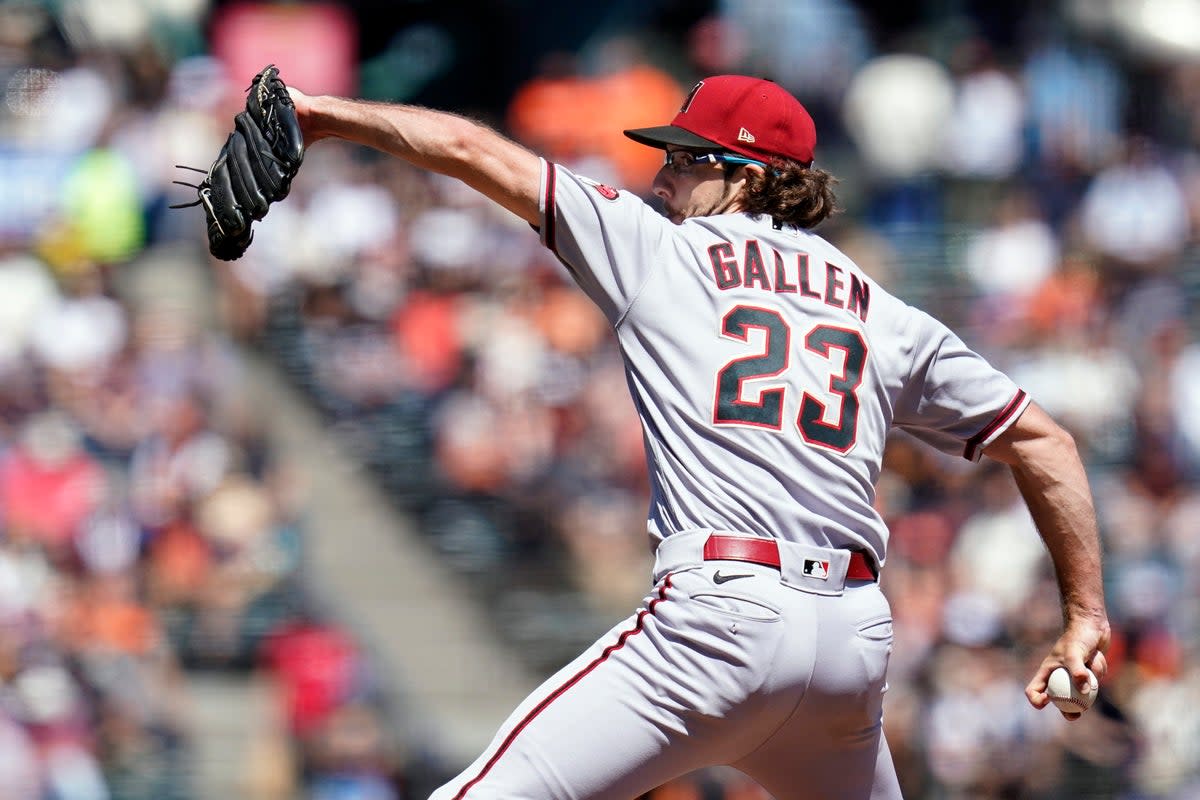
pixel 1001 418
pixel 557 693
pixel 551 178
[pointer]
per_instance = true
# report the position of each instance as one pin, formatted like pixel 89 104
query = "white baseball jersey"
pixel 766 367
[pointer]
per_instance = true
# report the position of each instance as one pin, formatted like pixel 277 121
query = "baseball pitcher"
pixel 767 370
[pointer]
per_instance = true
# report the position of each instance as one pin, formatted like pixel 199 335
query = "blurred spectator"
pixel 49 486
pixel 1067 301
pixel 575 115
pixel 318 668
pixel 896 111
pixel 1010 263
pixel 812 47
pixel 350 758
pixel 981 743
pixel 29 290
pixel 985 133
pixel 999 532
pixel 631 93
pixel 1085 380
pixel 1076 98
pixel 1183 398
pixel 85 329
pixel 551 112
pixel 1134 212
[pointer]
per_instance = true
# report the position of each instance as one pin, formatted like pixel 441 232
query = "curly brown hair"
pixel 790 193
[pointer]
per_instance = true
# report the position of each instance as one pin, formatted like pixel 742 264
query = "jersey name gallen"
pixel 751 272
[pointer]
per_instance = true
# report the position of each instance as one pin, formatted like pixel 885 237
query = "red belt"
pixel 766 552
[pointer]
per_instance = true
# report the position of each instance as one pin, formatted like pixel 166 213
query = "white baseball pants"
pixel 777 673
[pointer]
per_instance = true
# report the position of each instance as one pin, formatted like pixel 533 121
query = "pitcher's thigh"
pixel 861 772
pixel 597 729
pixel 833 744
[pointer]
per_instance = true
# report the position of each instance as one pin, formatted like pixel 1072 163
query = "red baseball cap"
pixel 752 117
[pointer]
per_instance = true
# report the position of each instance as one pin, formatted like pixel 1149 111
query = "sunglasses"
pixel 683 160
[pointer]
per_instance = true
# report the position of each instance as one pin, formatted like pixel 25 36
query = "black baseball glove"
pixel 254 168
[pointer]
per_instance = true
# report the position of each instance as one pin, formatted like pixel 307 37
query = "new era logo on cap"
pixel 745 136
pixel 816 569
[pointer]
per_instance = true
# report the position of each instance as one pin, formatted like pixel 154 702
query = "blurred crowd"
pixel 1031 178
pixel 148 527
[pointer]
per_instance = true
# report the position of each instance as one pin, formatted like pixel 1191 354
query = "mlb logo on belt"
pixel 816 569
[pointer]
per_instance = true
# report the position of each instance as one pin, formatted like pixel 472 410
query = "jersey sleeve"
pixel 954 398
pixel 609 240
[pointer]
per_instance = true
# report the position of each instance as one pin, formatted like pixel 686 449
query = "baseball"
pixel 1066 696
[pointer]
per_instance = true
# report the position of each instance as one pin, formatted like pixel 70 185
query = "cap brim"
pixel 665 135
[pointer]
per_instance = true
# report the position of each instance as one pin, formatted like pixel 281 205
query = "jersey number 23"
pixel 767 410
